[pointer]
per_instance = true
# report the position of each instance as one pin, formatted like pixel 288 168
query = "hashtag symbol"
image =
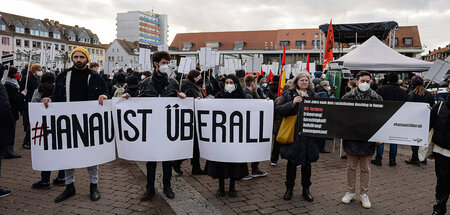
pixel 40 129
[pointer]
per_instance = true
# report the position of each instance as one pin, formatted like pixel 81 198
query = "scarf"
pixel 12 81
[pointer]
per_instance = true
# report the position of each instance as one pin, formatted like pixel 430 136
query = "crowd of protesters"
pixel 84 82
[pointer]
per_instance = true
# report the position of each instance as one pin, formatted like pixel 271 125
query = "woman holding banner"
pixel 190 87
pixel 303 150
pixel 222 170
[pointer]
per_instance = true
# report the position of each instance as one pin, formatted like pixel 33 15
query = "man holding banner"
pixel 158 85
pixel 358 150
pixel 79 83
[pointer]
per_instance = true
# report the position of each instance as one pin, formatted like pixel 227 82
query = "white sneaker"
pixel 364 198
pixel 246 178
pixel 273 164
pixel 348 198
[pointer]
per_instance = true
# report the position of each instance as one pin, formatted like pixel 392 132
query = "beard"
pixel 80 65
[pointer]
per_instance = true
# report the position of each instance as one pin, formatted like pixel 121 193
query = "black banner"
pixel 345 119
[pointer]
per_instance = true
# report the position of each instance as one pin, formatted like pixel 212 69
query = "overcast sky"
pixel 431 16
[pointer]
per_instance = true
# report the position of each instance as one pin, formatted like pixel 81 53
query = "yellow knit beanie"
pixel 82 50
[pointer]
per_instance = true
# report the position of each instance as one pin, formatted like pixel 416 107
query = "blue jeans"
pixel 45 176
pixel 392 152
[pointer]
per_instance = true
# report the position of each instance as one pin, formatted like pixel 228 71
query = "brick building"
pixel 439 53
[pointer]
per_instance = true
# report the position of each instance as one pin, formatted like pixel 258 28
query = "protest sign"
pixel 404 123
pixel 154 129
pixel 71 135
pixel 241 132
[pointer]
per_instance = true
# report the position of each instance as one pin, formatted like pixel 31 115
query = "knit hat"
pixel 34 68
pixel 417 80
pixel 317 74
pixel 82 50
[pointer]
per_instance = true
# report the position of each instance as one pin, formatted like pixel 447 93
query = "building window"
pixel 18 42
pixel 96 51
pixel 101 52
pixel 26 43
pixel 3 27
pixel 56 47
pixel 300 43
pixel 187 46
pixel 239 45
pixel 112 58
pixel 20 30
pixel 213 45
pixel 63 47
pixel 284 43
pixel 57 36
pixel 408 41
pixel 316 43
pixel 89 50
pixel 70 48
pixel 5 41
pixel 396 41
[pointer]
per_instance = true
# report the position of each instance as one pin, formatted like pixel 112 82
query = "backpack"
pixel 120 90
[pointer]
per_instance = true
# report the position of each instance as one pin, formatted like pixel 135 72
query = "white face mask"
pixel 229 88
pixel 264 85
pixel 364 86
pixel 143 76
pixel 164 69
pixel 39 73
pixel 328 88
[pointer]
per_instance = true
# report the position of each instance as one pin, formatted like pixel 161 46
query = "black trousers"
pixel 321 144
pixel 442 167
pixel 9 148
pixel 151 172
pixel 26 125
pixel 415 153
pixel 291 174
pixel 275 150
pixel 195 160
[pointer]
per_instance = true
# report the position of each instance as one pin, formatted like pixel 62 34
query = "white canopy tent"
pixel 374 55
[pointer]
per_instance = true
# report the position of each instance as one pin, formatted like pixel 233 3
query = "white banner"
pixel 83 138
pixel 154 129
pixel 241 132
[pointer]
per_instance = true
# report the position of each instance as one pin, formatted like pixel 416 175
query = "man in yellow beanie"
pixel 84 85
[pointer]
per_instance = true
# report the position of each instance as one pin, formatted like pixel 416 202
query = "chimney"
pixel 46 19
pixel 56 22
pixel 136 43
pixel 76 26
pixel 439 48
pixel 52 21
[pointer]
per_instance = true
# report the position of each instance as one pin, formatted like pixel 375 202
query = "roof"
pixel 129 47
pixel 261 40
pixel 11 19
pixel 374 55
pixel 346 33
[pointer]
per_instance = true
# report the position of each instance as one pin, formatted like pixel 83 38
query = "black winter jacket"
pixel 191 89
pixel 147 88
pixel 7 120
pixel 427 98
pixel 303 150
pixel 359 147
pixel 441 124
pixel 32 85
pixel 392 92
pixel 97 87
pixel 16 99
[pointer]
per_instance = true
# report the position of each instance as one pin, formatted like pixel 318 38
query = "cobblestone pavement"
pixel 120 184
pixel 403 189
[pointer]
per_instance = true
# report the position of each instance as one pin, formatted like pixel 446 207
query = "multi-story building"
pixel 269 43
pixel 144 26
pixel 439 53
pixel 122 54
pixel 6 47
pixel 41 35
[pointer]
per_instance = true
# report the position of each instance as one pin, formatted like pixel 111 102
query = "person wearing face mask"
pixel 17 101
pixel 158 85
pixel 145 75
pixel 303 151
pixel 250 88
pixel 263 89
pixel 322 91
pixel 79 83
pixel 359 151
pixel 190 86
pixel 223 170
pixel 390 92
pixel 33 82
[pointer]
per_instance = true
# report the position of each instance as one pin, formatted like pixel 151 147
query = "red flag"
pixel 282 73
pixel 248 73
pixel 329 44
pixel 307 63
pixel 262 72
pixel 270 77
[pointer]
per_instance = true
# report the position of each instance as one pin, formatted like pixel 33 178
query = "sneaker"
pixel 273 164
pixel 324 151
pixel 4 192
pixel 392 163
pixel 41 186
pixel 348 198
pixel 423 162
pixel 344 157
pixel 364 198
pixel 169 193
pixel 413 162
pixel 246 178
pixel 59 182
pixel 258 173
pixel 376 162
